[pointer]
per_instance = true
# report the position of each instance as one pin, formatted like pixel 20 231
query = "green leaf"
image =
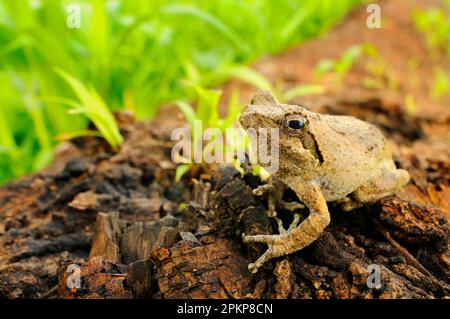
pixel 348 59
pixel 188 112
pixel 208 104
pixel 95 109
pixel 62 100
pixel 324 66
pixel 181 170
pixel 302 90
pixel 246 74
pixel 74 134
pixel 234 109
pixel 291 27
pixel 185 9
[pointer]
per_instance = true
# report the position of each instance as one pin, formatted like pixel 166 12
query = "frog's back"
pixel 364 136
pixel 357 147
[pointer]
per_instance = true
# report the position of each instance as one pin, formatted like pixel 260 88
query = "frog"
pixel 324 159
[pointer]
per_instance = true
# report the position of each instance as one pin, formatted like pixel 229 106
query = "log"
pixel 106 237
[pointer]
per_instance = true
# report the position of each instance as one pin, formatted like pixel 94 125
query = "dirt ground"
pixel 134 233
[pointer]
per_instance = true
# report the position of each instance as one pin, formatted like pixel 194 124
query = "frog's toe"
pixel 281 228
pixel 262 189
pixel 271 213
pixel 294 223
pixel 258 191
pixel 291 206
pixel 265 239
pixel 272 252
pixel 252 267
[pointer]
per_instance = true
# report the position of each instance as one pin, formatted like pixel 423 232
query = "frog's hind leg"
pixel 386 184
pixel 274 191
pixel 293 224
pixel 297 236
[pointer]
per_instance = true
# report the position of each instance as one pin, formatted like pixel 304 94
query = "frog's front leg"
pixel 295 238
pixel 272 195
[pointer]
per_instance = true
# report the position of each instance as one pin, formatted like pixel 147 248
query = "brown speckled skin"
pixel 333 158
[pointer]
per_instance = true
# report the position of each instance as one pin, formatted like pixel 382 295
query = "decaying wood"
pixel 40 233
pixel 99 279
pixel 196 251
pixel 140 278
pixel 409 258
pixel 135 233
pixel 141 238
pixel 106 237
pixel 285 279
pixel 211 268
pixel 335 266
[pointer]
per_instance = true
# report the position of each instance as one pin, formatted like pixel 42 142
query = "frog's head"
pixel 294 123
pixel 262 112
pixel 265 112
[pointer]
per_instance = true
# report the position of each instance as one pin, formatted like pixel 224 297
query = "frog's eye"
pixel 295 122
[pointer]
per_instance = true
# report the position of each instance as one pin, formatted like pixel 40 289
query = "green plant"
pixel 253 77
pixel 206 116
pixel 377 72
pixel 94 108
pixel 133 54
pixel 441 84
pixel 410 104
pixel 434 23
pixel 339 68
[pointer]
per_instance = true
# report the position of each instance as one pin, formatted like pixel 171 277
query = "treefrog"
pixel 322 158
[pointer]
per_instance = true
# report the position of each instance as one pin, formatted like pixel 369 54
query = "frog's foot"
pixel 274 198
pixel 276 248
pixel 293 225
pixel 268 189
pixel 263 189
pixel 296 237
pixel 291 206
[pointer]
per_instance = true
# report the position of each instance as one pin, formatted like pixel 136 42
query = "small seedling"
pixel 441 84
pixel 94 108
pixel 339 68
pixel 207 114
pixel 377 73
pixel 434 24
pixel 410 104
pixel 132 53
pixel 256 79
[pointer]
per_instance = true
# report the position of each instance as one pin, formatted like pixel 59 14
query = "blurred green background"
pixel 127 55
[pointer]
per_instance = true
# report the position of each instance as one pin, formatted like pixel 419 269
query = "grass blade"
pixel 95 109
